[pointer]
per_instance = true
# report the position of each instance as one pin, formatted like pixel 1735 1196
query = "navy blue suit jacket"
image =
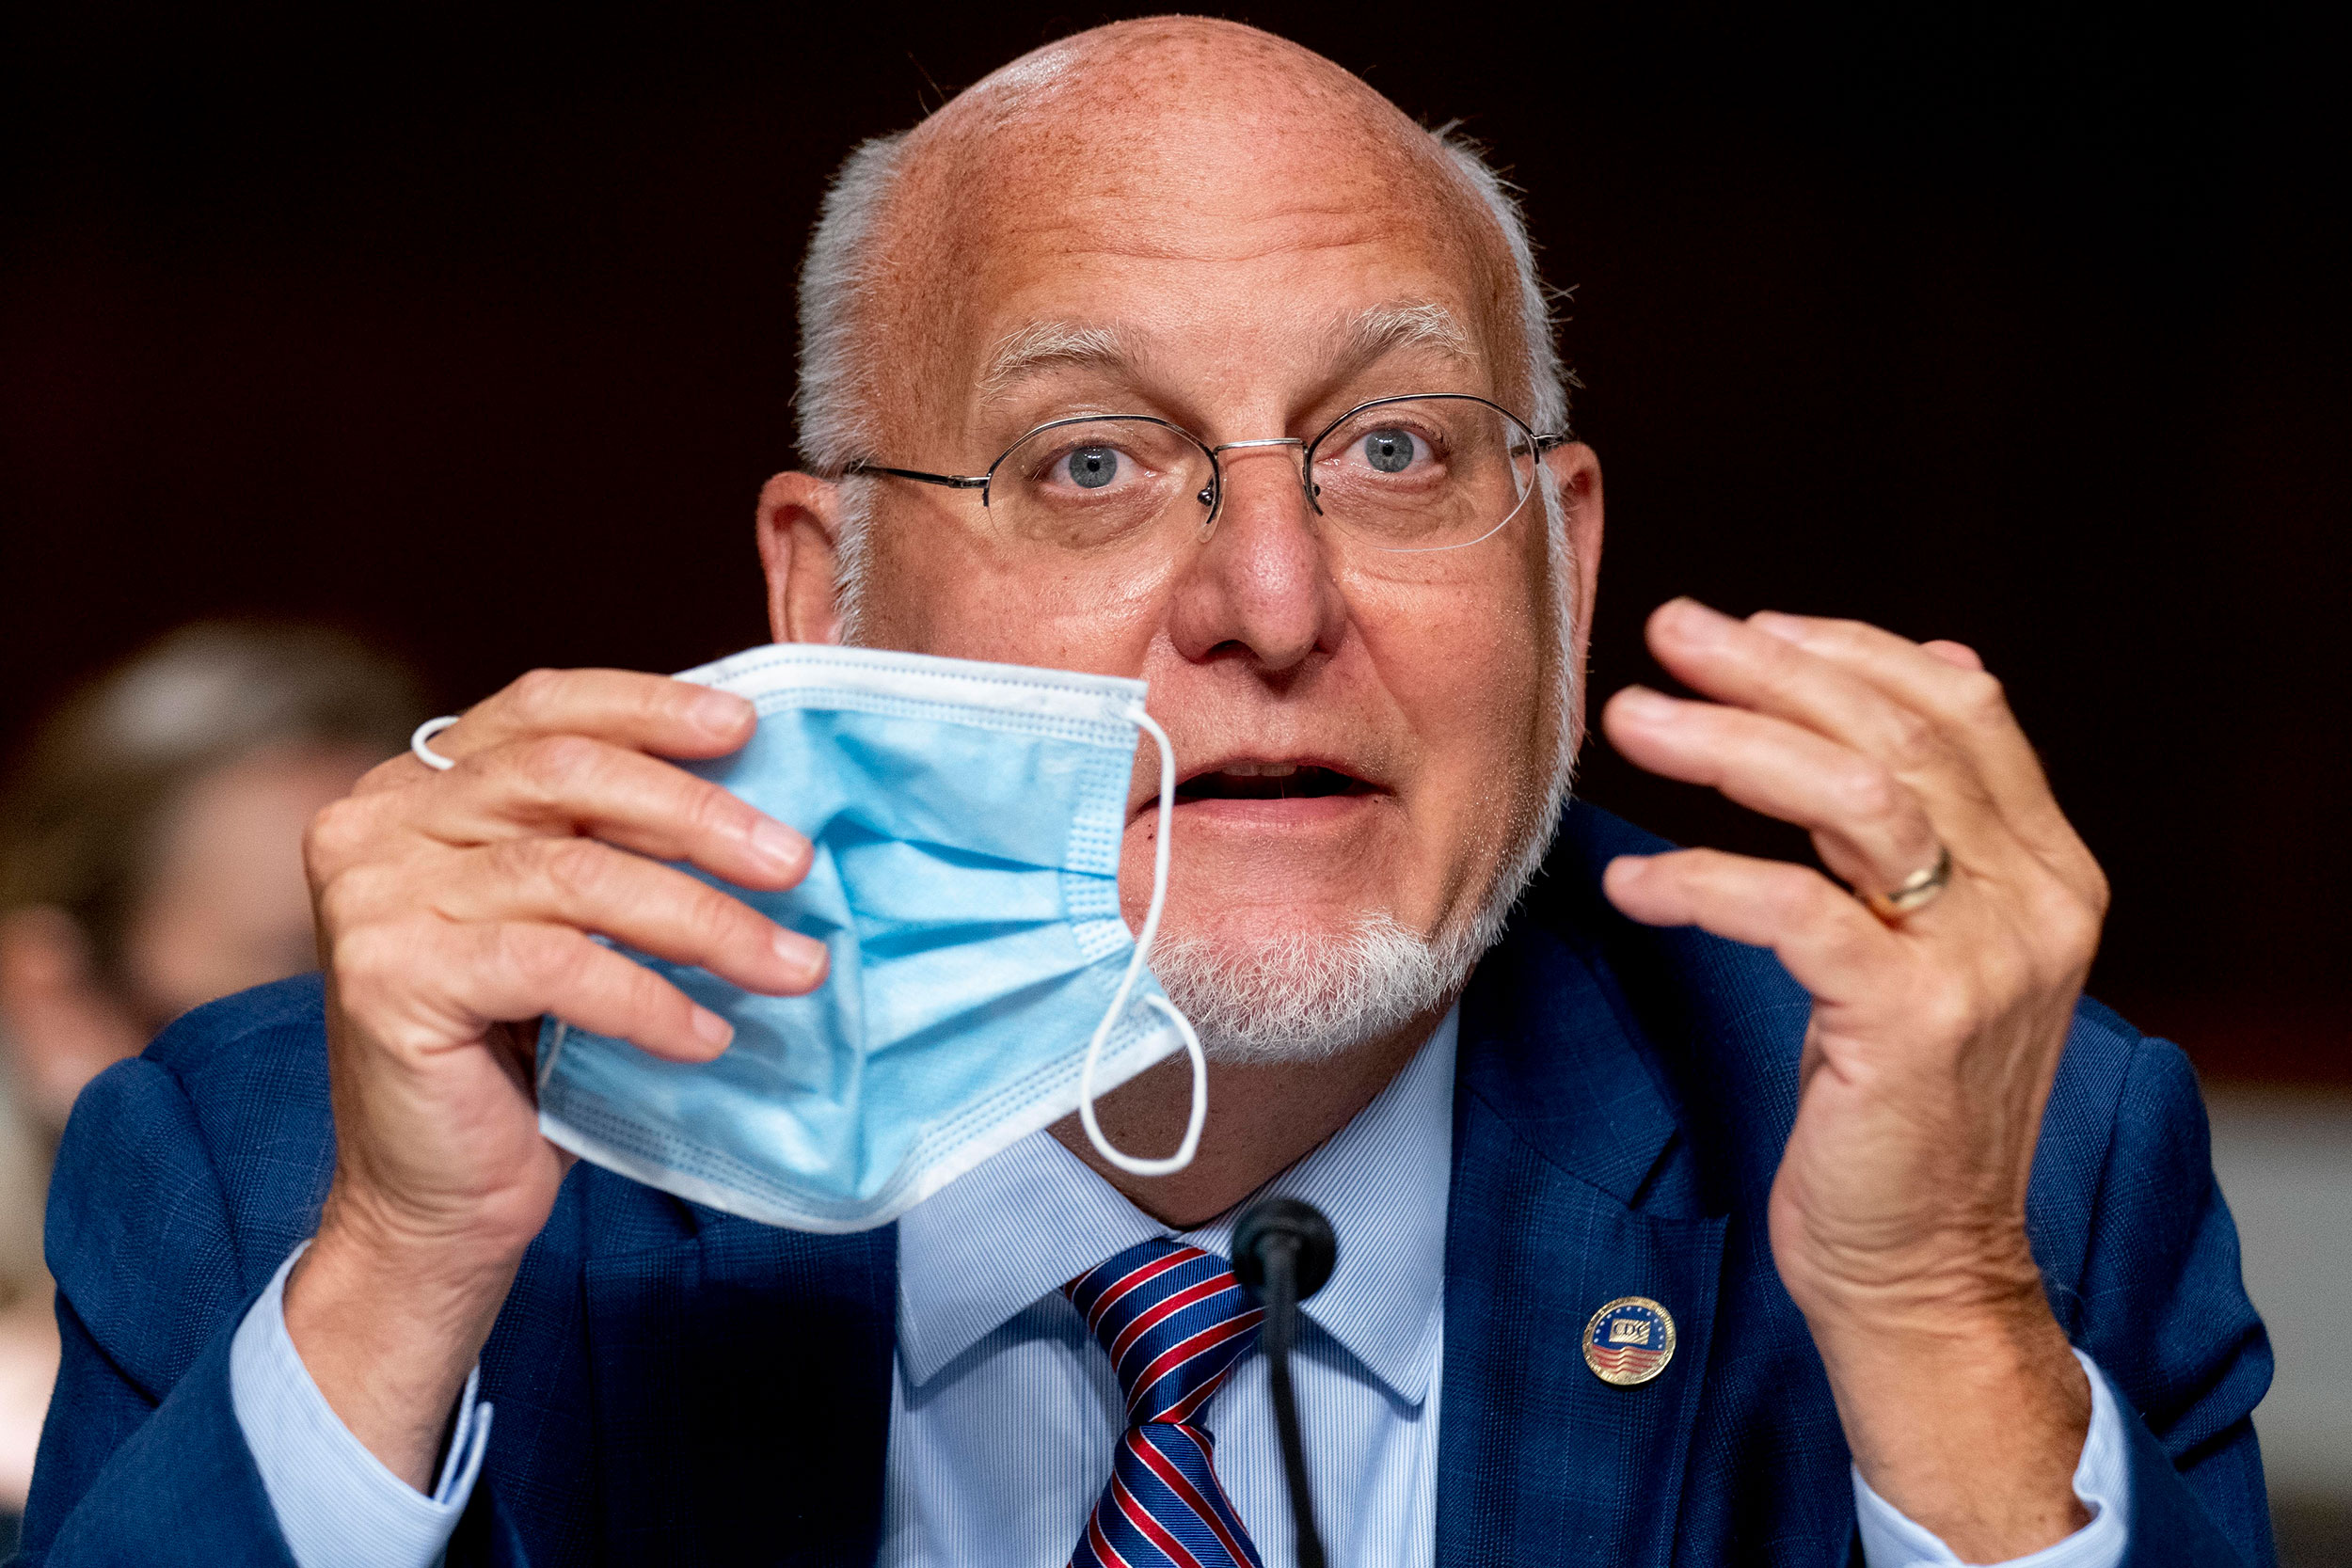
pixel 677 1385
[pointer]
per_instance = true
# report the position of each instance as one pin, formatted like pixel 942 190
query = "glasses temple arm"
pixel 952 482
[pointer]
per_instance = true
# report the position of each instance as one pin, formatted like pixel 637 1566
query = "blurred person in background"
pixel 149 861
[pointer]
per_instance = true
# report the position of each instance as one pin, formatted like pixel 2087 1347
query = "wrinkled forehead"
pixel 1233 205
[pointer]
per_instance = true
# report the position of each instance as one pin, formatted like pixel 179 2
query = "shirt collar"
pixel 988 1244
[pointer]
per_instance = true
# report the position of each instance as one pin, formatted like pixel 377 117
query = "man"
pixel 1826 1183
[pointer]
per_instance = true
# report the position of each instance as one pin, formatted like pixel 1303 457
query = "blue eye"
pixel 1091 467
pixel 1389 451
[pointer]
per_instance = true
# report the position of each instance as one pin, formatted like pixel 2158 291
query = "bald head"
pixel 1181 140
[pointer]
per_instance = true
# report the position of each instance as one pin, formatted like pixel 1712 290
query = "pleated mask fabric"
pixel 967 821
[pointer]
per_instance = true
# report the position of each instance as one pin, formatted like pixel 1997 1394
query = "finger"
pixel 627 708
pixel 1871 830
pixel 653 908
pixel 570 784
pixel 391 773
pixel 485 975
pixel 1960 656
pixel 1833 948
pixel 1947 682
pixel 1749 668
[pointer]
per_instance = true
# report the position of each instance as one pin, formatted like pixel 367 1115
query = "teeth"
pixel 1260 769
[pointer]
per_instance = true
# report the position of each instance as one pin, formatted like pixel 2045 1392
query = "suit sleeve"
pixel 2163 1308
pixel 141 1460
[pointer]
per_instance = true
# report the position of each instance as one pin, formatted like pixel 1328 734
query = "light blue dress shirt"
pixel 1004 1412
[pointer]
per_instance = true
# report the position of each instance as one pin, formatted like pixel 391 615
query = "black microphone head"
pixel 1315 1247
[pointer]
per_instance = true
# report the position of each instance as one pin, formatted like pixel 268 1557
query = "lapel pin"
pixel 1630 1341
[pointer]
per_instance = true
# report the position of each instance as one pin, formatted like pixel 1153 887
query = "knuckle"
pixel 727 918
pixel 542 957
pixel 2069 929
pixel 1845 636
pixel 1849 940
pixel 536 696
pixel 2102 891
pixel 652 997
pixel 709 811
pixel 1797 894
pixel 576 870
pixel 1983 700
pixel 368 961
pixel 346 900
pixel 559 763
pixel 1872 793
pixel 1911 741
pixel 662 701
pixel 330 838
pixel 1783 668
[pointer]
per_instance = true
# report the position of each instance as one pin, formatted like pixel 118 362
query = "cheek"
pixel 1470 671
pixel 952 598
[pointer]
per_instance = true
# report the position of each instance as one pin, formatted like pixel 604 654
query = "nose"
pixel 1260 587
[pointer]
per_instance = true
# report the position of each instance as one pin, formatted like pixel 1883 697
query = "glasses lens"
pixel 1425 473
pixel 1098 484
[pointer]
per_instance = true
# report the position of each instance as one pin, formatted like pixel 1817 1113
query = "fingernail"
pixel 711 1027
pixel 1644 706
pixel 806 954
pixel 720 710
pixel 778 844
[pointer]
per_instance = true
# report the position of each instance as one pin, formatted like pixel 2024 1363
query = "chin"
pixel 1261 986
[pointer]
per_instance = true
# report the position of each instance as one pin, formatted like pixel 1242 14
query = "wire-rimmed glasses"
pixel 1413 474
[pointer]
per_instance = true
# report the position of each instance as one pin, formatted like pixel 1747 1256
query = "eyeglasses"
pixel 1401 475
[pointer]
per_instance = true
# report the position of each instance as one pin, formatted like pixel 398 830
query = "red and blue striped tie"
pixel 1175 1320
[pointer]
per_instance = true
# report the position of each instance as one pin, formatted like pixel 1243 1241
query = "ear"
pixel 1577 470
pixel 62 1026
pixel 799 535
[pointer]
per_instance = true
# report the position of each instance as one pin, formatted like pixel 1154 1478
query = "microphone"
pixel 1283 1250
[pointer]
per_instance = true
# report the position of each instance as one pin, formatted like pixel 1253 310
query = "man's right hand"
pixel 454 910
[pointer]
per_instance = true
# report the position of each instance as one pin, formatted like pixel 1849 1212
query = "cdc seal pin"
pixel 1630 1341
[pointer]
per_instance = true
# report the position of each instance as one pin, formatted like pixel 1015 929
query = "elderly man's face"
pixel 1178 247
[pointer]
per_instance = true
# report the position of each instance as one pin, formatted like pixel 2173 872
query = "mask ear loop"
pixel 1191 1144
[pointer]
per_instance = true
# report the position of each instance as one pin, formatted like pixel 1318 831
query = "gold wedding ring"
pixel 1914 893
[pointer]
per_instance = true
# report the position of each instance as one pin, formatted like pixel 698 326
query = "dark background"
pixel 2023 327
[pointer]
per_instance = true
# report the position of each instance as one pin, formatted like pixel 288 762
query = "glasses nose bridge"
pixel 1217 457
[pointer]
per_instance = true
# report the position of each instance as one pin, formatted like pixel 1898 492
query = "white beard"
pixel 1290 997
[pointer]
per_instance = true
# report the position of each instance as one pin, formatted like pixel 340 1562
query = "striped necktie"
pixel 1175 1322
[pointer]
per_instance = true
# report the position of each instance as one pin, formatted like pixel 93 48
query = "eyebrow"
pixel 1050 345
pixel 1419 325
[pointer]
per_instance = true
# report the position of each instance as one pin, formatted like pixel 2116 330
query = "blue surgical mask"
pixel 967 821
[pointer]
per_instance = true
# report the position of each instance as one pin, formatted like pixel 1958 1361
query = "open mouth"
pixel 1269 780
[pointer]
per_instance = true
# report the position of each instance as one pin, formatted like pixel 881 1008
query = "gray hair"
pixel 836 387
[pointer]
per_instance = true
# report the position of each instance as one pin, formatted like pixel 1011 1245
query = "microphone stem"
pixel 1282 1327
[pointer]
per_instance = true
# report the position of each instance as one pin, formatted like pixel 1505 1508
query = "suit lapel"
pixel 1571 1187
pixel 742 1390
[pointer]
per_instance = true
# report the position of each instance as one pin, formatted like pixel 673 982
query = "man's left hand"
pixel 1897 1218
